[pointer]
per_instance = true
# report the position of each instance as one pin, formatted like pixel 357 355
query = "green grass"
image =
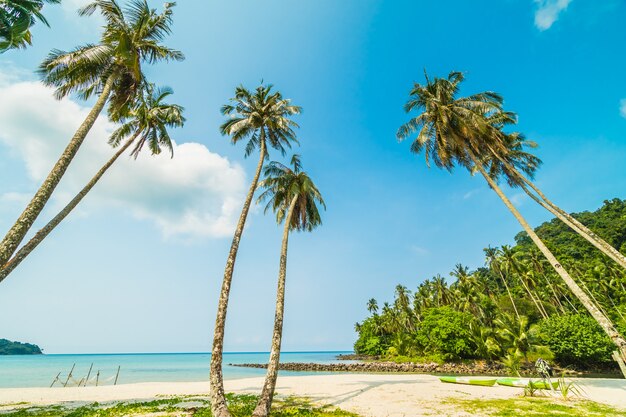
pixel 539 407
pixel 190 406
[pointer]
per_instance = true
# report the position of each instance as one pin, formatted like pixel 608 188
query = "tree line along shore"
pixel 512 310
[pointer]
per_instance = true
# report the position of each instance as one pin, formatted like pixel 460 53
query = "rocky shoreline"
pixel 475 368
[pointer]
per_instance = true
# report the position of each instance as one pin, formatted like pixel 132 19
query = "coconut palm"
pixel 372 306
pixel 16 19
pixel 457 130
pixel 295 199
pixel 111 69
pixel 147 122
pixel 493 261
pixel 509 264
pixel 262 118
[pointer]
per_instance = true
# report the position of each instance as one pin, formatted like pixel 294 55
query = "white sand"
pixel 371 395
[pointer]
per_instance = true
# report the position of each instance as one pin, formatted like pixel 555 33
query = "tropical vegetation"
pixel 16 19
pixel 514 307
pixel 8 347
pixel 469 131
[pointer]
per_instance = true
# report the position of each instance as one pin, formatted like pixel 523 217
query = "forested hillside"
pixel 16 348
pixel 515 307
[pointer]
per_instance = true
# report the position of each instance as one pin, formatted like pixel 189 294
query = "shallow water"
pixel 41 370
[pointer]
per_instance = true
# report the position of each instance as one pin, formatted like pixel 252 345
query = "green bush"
pixel 371 339
pixel 446 332
pixel 576 340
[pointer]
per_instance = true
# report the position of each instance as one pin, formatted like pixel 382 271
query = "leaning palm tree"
pixel 16 19
pixel 493 261
pixel 295 200
pixel 146 123
pixel 262 119
pixel 455 130
pixel 110 69
pixel 518 166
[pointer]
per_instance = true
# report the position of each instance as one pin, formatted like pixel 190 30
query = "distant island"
pixel 8 347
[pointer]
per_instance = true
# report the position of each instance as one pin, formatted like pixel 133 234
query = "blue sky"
pixel 138 266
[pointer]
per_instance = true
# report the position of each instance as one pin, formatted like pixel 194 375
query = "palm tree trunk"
pixel 16 234
pixel 264 404
pixel 25 250
pixel 602 320
pixel 532 297
pixel 218 398
pixel 556 296
pixel 508 291
pixel 577 226
pixel 565 217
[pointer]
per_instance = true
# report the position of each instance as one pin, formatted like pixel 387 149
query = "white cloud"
pixel 548 12
pixel 518 199
pixel 72 6
pixel 622 107
pixel 198 193
pixel 471 193
pixel 419 251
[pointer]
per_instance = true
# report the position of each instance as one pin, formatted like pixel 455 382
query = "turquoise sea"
pixel 41 370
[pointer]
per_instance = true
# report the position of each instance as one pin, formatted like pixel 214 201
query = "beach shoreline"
pixel 365 394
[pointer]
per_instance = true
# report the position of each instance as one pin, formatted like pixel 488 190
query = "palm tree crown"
pixel 151 116
pixel 261 118
pixel 16 18
pixel 130 37
pixel 447 125
pixel 285 186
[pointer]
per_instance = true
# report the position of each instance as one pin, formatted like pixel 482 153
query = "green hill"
pixel 513 308
pixel 8 347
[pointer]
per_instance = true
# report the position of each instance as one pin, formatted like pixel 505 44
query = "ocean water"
pixel 40 370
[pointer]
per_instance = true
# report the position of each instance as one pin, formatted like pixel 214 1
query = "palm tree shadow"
pixel 338 399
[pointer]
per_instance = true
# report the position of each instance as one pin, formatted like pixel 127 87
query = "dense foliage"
pixel 16 348
pixel 576 339
pixel 515 306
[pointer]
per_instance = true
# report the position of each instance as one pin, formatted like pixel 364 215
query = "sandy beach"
pixel 370 395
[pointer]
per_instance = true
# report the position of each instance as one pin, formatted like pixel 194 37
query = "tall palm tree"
pixel 16 18
pixel 509 263
pixel 112 70
pixel 147 122
pixel 261 118
pixel 493 262
pixel 295 199
pixel 455 130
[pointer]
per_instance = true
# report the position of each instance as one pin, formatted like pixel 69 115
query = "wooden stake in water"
pixel 97 377
pixel 117 375
pixel 55 379
pixel 69 376
pixel 88 373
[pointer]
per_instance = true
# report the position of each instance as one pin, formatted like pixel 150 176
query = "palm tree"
pixel 16 18
pixel 455 130
pixel 147 122
pixel 493 262
pixel 509 264
pixel 372 306
pixel 295 199
pixel 262 118
pixel 111 69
